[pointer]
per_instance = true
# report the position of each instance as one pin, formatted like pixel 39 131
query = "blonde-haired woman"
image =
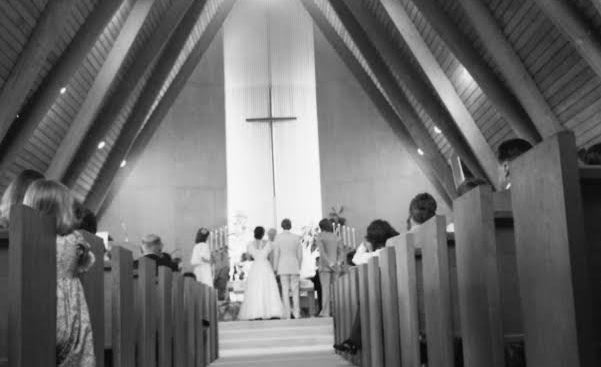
pixel 15 192
pixel 74 342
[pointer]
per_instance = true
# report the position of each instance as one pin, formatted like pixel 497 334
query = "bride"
pixel 261 297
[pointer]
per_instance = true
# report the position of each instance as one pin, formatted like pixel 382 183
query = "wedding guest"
pixel 288 259
pixel 152 248
pixel 201 258
pixel 421 208
pixel 74 340
pixel 86 219
pixel 507 152
pixel 330 257
pixel 378 232
pixel 592 155
pixel 15 192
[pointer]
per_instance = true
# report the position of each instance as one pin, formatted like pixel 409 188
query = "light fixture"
pixel 123 163
pixel 102 144
pixel 437 130
pixel 63 90
pixel 419 151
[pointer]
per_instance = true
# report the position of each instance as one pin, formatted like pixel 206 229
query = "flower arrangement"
pixel 336 215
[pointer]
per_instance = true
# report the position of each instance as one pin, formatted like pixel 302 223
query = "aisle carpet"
pixel 290 343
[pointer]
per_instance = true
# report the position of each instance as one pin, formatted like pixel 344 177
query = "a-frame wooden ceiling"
pixel 453 78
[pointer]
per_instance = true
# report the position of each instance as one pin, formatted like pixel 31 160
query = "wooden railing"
pixel 140 317
pixel 522 277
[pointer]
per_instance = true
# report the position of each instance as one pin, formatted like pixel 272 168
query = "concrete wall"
pixel 363 165
pixel 179 183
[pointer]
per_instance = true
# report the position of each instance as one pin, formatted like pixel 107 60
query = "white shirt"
pixel 362 256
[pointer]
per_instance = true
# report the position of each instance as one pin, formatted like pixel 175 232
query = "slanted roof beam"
pixel 586 40
pixel 511 67
pixel 129 134
pixel 102 84
pixel 432 164
pixel 496 91
pixel 455 121
pixel 60 75
pixel 69 165
pixel 25 72
pixel 158 114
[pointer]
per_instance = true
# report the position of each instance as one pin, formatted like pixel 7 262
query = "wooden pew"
pixel 390 309
pixel 479 279
pixel 354 305
pixel 364 315
pixel 165 319
pixel 28 290
pixel 179 326
pixel 554 256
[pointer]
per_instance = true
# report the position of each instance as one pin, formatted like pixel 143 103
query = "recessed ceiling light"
pixel 102 144
pixel 123 163
pixel 419 151
pixel 437 130
pixel 63 90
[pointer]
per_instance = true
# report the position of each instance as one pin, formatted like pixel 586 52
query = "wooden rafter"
pixel 566 17
pixel 511 67
pixel 143 105
pixel 397 98
pixel 501 97
pixel 66 66
pixel 31 60
pixel 102 84
pixel 439 176
pixel 454 121
pixel 151 93
pixel 69 167
pixel 158 114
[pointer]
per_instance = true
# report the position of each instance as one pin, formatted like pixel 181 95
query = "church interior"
pixel 154 154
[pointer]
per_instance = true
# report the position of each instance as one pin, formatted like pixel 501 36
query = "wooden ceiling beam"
pixel 499 95
pixel 60 75
pixel 151 93
pixel 448 112
pixel 49 28
pixel 439 175
pixel 163 107
pixel 511 67
pixel 101 86
pixel 567 19
pixel 68 166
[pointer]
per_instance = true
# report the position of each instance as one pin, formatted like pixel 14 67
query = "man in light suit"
pixel 288 257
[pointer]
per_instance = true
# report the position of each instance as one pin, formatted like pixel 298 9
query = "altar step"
pixel 290 343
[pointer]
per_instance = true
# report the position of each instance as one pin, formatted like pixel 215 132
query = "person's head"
pixel 469 184
pixel 507 152
pixel 152 244
pixel 378 232
pixel 15 192
pixel 271 234
pixel 202 235
pixel 259 233
pixel 286 224
pixel 86 219
pixel 593 155
pixel 325 225
pixel 422 207
pixel 54 199
pixel 189 274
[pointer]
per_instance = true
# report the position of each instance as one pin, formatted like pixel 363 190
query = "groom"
pixel 288 256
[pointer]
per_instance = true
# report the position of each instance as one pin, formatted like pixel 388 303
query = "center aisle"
pixel 289 343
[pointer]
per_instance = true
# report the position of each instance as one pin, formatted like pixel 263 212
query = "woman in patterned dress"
pixel 74 342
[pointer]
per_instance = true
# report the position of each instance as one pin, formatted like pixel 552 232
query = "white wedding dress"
pixel 261 297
